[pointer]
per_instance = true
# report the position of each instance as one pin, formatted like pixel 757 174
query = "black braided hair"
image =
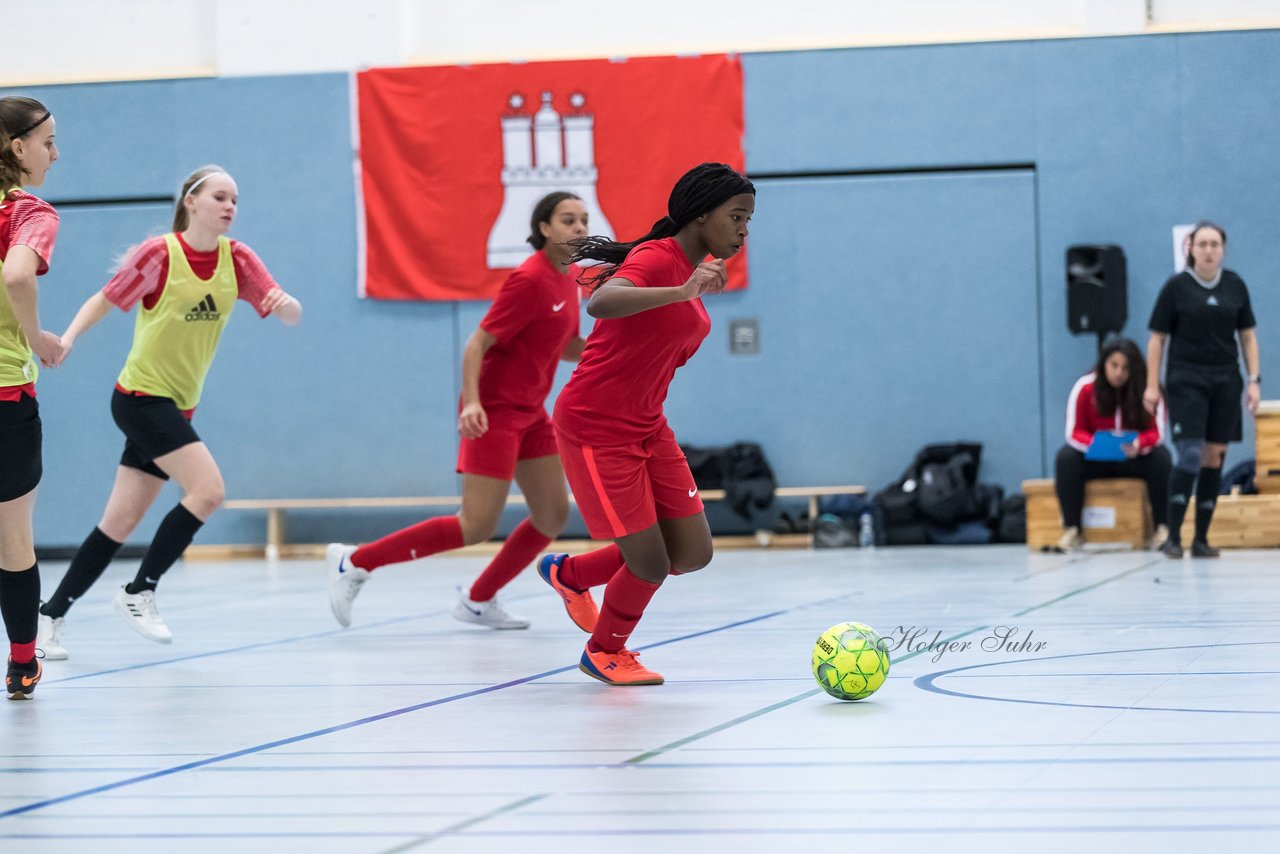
pixel 702 189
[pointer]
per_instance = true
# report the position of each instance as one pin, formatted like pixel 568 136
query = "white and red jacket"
pixel 1083 419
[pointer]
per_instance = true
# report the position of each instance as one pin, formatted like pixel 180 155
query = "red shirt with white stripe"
pixel 26 220
pixel 1084 419
pixel 533 317
pixel 143 274
pixel 615 395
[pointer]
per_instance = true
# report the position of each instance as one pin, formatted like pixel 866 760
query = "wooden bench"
pixel 277 507
pixel 1116 510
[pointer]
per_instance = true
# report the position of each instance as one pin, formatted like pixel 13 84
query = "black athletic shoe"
pixel 1199 548
pixel 1171 549
pixel 20 680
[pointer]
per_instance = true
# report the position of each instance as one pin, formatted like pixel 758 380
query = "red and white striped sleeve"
pixel 142 273
pixel 252 276
pixel 1153 436
pixel 1079 432
pixel 34 224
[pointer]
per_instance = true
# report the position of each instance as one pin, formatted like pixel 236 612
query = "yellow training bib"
pixel 174 341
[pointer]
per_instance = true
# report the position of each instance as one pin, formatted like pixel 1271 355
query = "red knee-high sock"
pixel 582 572
pixel 519 550
pixel 441 534
pixel 625 599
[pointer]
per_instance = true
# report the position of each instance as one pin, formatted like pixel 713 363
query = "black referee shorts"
pixel 21 439
pixel 152 427
pixel 1204 405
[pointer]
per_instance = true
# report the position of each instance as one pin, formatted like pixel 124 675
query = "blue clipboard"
pixel 1105 447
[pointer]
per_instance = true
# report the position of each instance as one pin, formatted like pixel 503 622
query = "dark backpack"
pixel 741 470
pixel 1240 475
pixel 946 482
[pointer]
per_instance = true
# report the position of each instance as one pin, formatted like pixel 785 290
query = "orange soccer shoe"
pixel 581 607
pixel 20 680
pixel 617 668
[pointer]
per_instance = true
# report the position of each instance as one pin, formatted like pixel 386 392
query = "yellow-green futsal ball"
pixel 850 661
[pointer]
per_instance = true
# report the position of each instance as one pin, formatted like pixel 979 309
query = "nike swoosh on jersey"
pixel 557 306
pixel 693 492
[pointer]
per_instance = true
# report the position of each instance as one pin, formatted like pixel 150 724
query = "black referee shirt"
pixel 1202 322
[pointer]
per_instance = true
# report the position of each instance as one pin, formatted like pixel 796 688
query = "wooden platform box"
pixel 1267 453
pixel 1241 522
pixel 1116 510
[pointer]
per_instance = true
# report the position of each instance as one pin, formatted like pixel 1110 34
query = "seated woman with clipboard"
pixel 1110 434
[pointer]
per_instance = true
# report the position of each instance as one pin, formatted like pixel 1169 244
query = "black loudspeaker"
pixel 1097 290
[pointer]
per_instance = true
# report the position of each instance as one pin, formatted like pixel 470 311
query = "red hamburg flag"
pixel 453 159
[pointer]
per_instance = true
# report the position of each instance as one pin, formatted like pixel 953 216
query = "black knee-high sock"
pixel 1180 485
pixel 91 560
pixel 172 538
pixel 20 603
pixel 1206 501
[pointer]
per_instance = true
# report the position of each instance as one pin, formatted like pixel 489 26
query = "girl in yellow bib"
pixel 28 228
pixel 187 283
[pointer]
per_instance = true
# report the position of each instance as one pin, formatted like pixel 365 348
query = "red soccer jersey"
pixel 26 220
pixel 143 274
pixel 533 317
pixel 615 395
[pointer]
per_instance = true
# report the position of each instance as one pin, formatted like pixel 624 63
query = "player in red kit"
pixel 508 366
pixel 631 481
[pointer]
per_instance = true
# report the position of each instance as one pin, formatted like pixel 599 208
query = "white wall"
pixel 79 40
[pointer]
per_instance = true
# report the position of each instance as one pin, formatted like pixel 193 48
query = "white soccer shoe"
pixel 47 641
pixel 139 611
pixel 345 580
pixel 490 613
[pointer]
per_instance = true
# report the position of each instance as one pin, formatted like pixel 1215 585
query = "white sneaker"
pixel 47 642
pixel 1159 538
pixel 1071 540
pixel 345 580
pixel 139 611
pixel 490 613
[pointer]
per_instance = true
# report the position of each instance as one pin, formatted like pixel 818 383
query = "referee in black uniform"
pixel 1203 309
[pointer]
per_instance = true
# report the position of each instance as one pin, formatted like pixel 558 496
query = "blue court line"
pixel 859 831
pixel 928 681
pixel 1123 673
pixel 697 736
pixel 814 692
pixel 201 763
pixel 788 810
pixel 797 763
pixel 253 646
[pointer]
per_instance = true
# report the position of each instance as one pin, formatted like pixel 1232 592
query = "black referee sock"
pixel 1180 485
pixel 1206 501
pixel 91 560
pixel 20 603
pixel 172 538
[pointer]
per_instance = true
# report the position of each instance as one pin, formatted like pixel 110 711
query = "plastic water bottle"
pixel 866 532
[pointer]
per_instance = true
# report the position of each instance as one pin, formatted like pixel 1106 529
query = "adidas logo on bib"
pixel 206 310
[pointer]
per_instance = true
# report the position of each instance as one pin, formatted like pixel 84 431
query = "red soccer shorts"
pixel 513 435
pixel 624 489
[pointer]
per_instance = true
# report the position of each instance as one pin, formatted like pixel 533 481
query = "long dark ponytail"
pixel 18 117
pixel 1128 398
pixel 703 188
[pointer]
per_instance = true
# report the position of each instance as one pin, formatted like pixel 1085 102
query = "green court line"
pixel 666 748
pixel 463 825
pixel 1089 587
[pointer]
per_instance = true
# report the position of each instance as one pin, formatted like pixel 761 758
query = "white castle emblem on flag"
pixel 543 153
